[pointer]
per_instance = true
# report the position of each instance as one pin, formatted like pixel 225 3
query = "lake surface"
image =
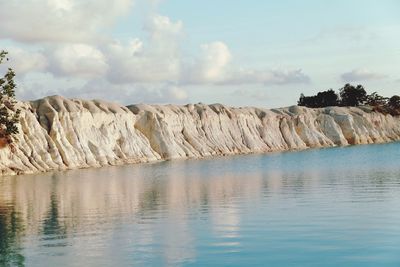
pixel 328 207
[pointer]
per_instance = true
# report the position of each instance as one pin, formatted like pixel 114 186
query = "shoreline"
pixel 218 157
pixel 59 134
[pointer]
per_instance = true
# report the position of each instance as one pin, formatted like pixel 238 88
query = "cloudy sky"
pixel 244 52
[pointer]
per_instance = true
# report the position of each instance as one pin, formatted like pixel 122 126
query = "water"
pixel 329 207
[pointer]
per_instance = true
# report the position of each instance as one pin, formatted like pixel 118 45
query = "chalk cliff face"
pixel 58 133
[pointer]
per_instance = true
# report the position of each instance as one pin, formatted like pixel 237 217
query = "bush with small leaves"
pixel 9 115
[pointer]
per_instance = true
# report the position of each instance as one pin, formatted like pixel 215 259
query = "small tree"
pixel 375 99
pixel 352 96
pixel 9 116
pixel 394 102
pixel 394 105
pixel 327 98
pixel 322 99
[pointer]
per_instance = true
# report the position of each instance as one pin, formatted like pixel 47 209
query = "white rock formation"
pixel 58 133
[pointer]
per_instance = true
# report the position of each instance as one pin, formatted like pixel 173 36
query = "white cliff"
pixel 58 133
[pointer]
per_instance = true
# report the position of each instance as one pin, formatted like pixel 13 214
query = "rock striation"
pixel 58 133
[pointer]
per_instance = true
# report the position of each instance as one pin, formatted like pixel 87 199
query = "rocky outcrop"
pixel 58 133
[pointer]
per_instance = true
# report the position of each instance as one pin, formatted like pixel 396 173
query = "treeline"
pixel 352 96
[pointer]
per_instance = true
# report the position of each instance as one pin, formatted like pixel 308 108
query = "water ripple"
pixel 330 207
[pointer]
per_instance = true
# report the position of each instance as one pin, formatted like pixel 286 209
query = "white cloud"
pixel 136 63
pixel 210 66
pixel 36 85
pixel 30 88
pixel 79 60
pixel 216 56
pixel 69 40
pixel 24 61
pixel 129 94
pixel 177 93
pixel 156 60
pixel 161 27
pixel 58 20
pixel 214 66
pixel 158 94
pixel 361 75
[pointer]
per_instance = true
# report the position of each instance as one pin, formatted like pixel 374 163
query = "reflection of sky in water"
pixel 333 206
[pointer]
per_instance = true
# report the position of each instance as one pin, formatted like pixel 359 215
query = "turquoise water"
pixel 329 207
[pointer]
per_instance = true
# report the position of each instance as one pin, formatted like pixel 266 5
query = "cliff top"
pixel 61 104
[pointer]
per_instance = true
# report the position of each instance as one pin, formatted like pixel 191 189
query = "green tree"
pixel 352 96
pixel 375 99
pixel 9 115
pixel 394 102
pixel 322 99
pixel 328 98
pixel 394 105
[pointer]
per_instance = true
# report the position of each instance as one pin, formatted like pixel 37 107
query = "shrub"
pixel 9 115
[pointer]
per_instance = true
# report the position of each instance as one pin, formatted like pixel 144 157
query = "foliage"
pixel 322 99
pixel 394 105
pixel 9 116
pixel 394 102
pixel 351 96
pixel 375 99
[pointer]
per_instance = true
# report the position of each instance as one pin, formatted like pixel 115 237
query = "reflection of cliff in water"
pixel 11 228
pixel 152 201
pixel 53 203
pixel 53 229
pixel 55 207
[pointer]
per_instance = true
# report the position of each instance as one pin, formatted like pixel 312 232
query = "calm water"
pixel 329 207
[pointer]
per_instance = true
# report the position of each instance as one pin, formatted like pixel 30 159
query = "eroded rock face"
pixel 58 133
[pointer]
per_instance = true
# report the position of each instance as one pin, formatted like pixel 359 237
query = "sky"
pixel 239 53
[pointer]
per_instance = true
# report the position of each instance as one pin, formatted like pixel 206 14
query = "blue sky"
pixel 259 53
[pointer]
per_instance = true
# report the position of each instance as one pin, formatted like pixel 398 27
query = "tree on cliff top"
pixel 9 115
pixel 322 99
pixel 394 105
pixel 394 102
pixel 353 96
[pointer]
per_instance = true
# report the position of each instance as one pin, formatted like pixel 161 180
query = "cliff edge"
pixel 58 133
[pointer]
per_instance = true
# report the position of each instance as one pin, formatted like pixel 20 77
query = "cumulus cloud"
pixel 177 93
pixel 214 60
pixel 161 27
pixel 69 40
pixel 361 75
pixel 101 89
pixel 79 60
pixel 214 66
pixel 58 20
pixel 164 94
pixel 158 59
pixel 24 61
pixel 129 94
pixel 210 66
